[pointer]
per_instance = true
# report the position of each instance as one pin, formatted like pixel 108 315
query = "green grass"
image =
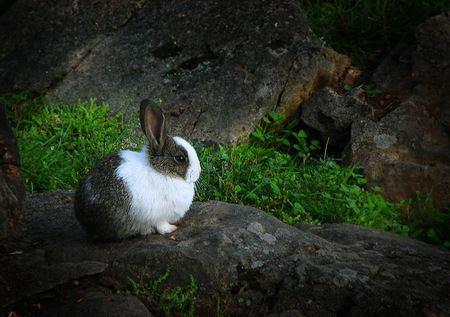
pixel 277 173
pixel 177 301
pixel 367 30
pixel 59 143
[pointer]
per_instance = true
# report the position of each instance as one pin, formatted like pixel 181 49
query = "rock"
pixel 332 115
pixel 418 68
pixel 405 152
pixel 12 187
pixel 244 261
pixel 409 149
pixel 218 66
pixel 94 303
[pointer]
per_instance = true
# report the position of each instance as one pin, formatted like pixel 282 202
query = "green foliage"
pixel 425 222
pixel 277 174
pixel 177 301
pixel 59 143
pixel 367 30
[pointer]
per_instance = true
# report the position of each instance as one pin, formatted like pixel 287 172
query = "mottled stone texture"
pixel 218 66
pixel 245 260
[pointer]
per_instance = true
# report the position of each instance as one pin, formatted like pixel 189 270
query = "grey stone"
pixel 412 144
pixel 267 267
pixel 332 115
pixel 93 303
pixel 219 67
pixel 417 69
pixel 405 152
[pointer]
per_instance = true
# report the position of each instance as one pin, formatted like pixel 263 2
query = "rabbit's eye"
pixel 180 159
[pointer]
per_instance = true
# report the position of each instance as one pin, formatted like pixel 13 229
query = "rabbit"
pixel 137 193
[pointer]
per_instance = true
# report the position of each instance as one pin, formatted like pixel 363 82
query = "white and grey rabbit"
pixel 136 193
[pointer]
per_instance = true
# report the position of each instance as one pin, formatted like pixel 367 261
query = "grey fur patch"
pixel 102 203
pixel 165 162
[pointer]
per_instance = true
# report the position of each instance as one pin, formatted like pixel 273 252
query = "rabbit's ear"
pixel 153 123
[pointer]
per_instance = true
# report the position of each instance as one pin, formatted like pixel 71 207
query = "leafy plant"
pixel 177 301
pixel 425 222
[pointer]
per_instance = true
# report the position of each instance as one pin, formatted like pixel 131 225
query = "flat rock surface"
pixel 265 266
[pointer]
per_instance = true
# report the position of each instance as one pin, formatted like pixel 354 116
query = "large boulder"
pixel 332 115
pixel 409 149
pixel 219 66
pixel 244 262
pixel 12 187
pixel 406 151
pixel 418 69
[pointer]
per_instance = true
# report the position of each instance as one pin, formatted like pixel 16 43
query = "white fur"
pixel 157 200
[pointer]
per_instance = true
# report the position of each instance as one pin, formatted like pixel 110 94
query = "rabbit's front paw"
pixel 165 228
